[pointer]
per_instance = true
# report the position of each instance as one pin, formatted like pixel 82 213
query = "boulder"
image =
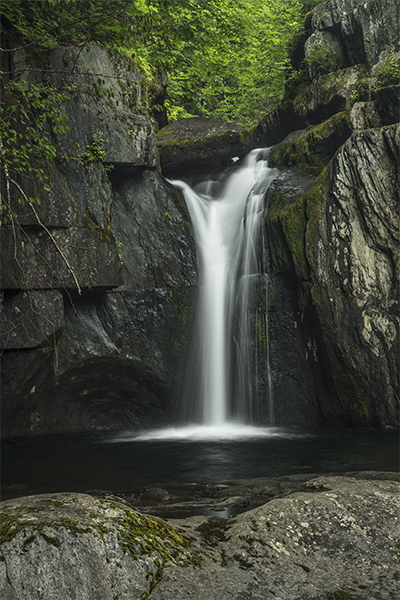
pixel 332 537
pixel 74 546
pixel 199 141
pixel 312 148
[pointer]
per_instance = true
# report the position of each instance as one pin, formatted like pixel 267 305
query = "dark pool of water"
pixel 87 462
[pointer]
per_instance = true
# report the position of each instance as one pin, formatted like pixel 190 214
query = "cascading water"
pixel 227 226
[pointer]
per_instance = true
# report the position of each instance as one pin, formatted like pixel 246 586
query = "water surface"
pixel 123 462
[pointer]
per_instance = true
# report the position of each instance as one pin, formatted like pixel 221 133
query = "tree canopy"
pixel 224 58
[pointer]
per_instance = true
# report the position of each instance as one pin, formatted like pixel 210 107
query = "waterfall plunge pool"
pixel 107 462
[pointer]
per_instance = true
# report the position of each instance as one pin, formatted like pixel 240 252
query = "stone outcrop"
pixel 333 241
pixel 75 546
pixel 332 537
pixel 198 141
pixel 347 52
pixel 108 356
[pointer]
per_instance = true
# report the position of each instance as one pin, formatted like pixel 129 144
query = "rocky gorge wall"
pixel 333 221
pixel 110 355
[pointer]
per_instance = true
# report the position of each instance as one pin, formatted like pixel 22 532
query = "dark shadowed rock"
pixel 93 360
pixel 198 141
pixel 29 319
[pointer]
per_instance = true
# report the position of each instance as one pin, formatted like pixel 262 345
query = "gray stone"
pixel 337 536
pixel 356 291
pixel 74 546
pixel 40 259
pixel 29 319
pixel 332 537
pixel 106 99
pixel 198 141
pixel 366 28
pixel 365 115
pixel 152 226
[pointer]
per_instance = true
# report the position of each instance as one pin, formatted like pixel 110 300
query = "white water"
pixel 227 225
pixel 203 433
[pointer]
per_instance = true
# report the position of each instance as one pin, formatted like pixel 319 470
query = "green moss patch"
pixel 214 530
pixel 315 148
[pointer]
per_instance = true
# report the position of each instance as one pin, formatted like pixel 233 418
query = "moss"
pixel 315 148
pixel 314 200
pixel 163 134
pixel 29 539
pixel 50 539
pixel 56 502
pixel 150 535
pixel 9 527
pixel 214 529
pixel 178 152
pixel 292 221
pixel 304 567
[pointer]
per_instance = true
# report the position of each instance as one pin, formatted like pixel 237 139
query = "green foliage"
pixel 30 117
pixel 388 70
pixel 233 67
pixel 224 58
pixel 321 58
pixel 94 152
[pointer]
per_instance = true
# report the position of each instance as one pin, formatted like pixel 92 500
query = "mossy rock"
pixel 198 141
pixel 314 148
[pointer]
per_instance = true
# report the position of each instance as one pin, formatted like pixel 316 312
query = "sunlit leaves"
pixel 30 116
pixel 224 58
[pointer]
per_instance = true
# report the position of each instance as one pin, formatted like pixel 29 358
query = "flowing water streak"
pixel 226 228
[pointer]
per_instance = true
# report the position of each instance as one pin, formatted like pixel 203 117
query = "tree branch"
pixel 71 269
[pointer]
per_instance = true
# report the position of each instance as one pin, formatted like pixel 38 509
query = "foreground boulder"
pixel 335 537
pixel 198 141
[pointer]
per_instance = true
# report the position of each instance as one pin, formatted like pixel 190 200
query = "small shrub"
pixel 387 70
pixel 322 60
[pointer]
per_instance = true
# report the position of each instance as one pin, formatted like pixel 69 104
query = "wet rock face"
pixel 350 54
pixel 357 29
pixel 332 537
pixel 124 237
pixel 333 249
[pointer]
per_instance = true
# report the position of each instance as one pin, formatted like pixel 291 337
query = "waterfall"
pixel 227 219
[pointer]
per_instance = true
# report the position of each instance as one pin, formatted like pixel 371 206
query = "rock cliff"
pixel 109 355
pixel 333 221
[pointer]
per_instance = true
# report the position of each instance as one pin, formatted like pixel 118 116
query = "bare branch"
pixel 71 269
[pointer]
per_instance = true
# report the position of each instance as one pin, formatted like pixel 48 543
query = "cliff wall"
pixel 108 354
pixel 333 221
pixel 111 356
